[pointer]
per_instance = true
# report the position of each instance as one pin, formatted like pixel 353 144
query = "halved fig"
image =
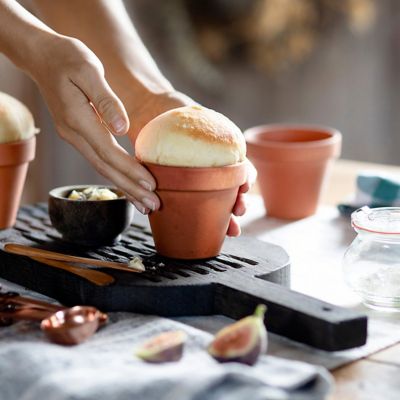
pixel 166 347
pixel 242 341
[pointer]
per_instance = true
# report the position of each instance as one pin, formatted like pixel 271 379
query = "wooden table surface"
pixel 377 376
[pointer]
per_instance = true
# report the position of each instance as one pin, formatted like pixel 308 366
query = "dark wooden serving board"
pixel 247 272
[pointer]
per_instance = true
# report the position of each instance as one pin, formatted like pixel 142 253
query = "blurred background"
pixel 332 62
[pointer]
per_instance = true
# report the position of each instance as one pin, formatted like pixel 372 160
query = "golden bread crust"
pixel 191 136
pixel 16 121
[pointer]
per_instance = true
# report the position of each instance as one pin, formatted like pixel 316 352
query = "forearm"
pixel 105 27
pixel 20 33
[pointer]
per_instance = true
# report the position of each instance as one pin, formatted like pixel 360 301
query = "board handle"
pixel 292 314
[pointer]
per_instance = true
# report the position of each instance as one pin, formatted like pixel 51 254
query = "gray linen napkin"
pixel 105 368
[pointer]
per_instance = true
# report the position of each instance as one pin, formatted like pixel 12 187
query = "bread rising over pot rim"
pixel 191 136
pixel 16 121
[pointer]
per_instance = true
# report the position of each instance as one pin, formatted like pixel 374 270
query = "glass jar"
pixel 371 264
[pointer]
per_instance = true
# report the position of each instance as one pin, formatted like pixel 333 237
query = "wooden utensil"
pixel 97 277
pixel 52 255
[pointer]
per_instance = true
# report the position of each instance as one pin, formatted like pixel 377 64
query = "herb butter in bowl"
pixel 89 215
pixel 93 193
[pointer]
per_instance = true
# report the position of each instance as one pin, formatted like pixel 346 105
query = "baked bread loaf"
pixel 191 136
pixel 16 121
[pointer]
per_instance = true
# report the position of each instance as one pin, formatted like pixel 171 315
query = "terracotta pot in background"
pixel 292 163
pixel 196 205
pixel 14 161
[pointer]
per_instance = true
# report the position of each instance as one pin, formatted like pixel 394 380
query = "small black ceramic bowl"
pixel 89 222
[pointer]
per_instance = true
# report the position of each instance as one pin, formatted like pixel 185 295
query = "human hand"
pixel 157 104
pixel 150 106
pixel 88 114
pixel 240 206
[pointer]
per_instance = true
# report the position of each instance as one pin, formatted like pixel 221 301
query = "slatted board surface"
pixel 34 228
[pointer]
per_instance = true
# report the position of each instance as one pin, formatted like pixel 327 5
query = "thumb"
pixel 106 104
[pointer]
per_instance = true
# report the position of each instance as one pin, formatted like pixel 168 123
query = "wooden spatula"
pixel 35 252
pixel 97 277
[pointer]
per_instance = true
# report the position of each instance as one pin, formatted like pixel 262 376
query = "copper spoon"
pixel 66 326
pixel 15 307
pixel 73 325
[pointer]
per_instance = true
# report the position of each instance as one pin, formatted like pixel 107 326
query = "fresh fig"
pixel 242 341
pixel 166 347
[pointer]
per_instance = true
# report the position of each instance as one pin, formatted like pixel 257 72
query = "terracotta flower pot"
pixel 14 161
pixel 292 163
pixel 196 205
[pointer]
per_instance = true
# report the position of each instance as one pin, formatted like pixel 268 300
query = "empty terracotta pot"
pixel 292 163
pixel 14 161
pixel 196 205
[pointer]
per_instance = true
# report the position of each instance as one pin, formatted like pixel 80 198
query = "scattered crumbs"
pixel 137 263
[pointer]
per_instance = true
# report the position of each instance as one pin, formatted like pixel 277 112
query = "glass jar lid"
pixel 383 220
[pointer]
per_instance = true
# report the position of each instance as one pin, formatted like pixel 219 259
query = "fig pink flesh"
pixel 236 339
pixel 164 340
pixel 242 341
pixel 167 346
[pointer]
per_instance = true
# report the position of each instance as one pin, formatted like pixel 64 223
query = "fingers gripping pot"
pixel 197 157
